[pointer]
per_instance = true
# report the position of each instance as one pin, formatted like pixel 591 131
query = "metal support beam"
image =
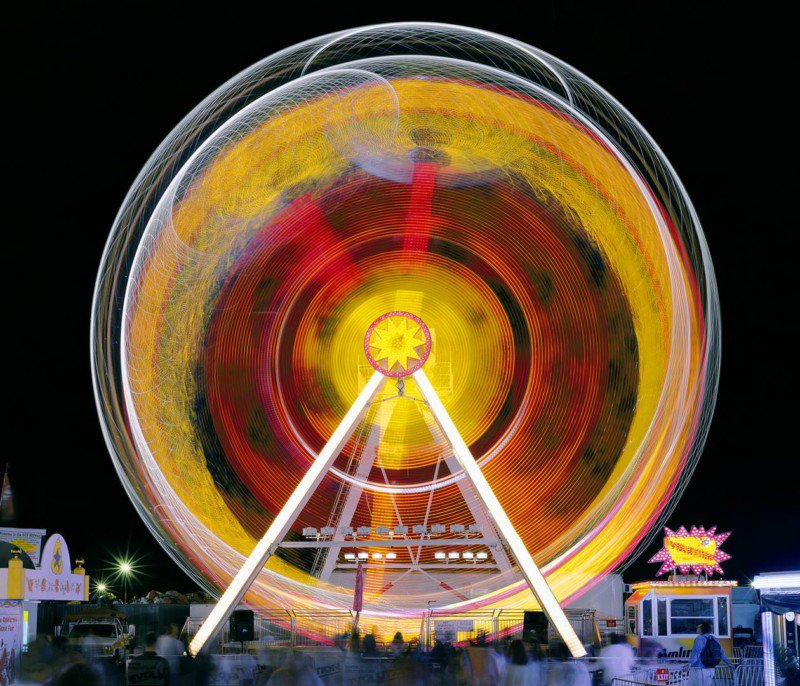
pixel 365 463
pixel 267 546
pixel 503 525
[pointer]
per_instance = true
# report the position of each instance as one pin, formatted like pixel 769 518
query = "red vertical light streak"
pixel 418 221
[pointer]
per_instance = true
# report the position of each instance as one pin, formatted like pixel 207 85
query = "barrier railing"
pixel 746 674
pixel 749 673
pixel 285 629
pixel 500 625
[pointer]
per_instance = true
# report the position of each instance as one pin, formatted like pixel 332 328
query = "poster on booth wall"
pixel 10 640
pixel 28 540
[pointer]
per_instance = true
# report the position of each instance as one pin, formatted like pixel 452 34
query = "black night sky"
pixel 92 88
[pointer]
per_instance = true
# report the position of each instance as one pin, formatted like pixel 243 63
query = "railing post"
pixel 428 636
pixel 292 631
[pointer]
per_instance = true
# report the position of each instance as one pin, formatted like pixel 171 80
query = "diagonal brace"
pixel 276 532
pixel 505 528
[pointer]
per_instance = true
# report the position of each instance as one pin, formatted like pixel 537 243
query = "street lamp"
pixel 125 570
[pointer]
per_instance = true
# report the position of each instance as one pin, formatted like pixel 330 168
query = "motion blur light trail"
pixel 475 181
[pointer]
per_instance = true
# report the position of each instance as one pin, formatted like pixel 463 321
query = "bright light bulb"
pixel 377 556
pixel 125 567
pixel 439 556
pixel 482 556
pixel 363 556
pixel 391 556
pixel 453 556
pixel 468 556
pixel 349 556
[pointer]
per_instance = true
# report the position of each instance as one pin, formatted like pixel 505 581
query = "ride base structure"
pixel 397 344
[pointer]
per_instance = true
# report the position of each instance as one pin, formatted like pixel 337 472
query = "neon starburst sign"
pixel 697 550
pixel 397 344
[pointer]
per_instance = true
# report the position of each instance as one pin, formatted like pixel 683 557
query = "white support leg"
pixel 283 521
pixel 505 528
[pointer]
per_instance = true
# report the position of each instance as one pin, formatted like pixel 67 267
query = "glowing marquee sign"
pixel 697 550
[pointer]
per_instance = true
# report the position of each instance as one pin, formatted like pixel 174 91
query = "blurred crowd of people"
pixel 53 661
pixel 481 663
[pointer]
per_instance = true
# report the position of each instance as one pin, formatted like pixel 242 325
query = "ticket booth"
pixel 661 617
pixel 23 584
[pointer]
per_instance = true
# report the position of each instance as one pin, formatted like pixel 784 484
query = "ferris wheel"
pixel 413 296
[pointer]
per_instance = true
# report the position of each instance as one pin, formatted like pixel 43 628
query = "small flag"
pixel 6 499
pixel 358 592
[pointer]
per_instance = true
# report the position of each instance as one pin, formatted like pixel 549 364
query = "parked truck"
pixel 98 634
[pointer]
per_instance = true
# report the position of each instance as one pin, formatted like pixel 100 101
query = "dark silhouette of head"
pixel 559 650
pixel 517 653
pixel 704 628
pixel 150 639
pixel 79 675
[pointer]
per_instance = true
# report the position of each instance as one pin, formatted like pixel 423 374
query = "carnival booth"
pixel 23 584
pixel 661 617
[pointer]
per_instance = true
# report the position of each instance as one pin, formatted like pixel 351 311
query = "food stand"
pixel 22 587
pixel 661 617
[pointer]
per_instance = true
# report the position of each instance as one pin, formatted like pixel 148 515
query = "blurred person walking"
pixel 522 670
pixel 149 668
pixel 565 670
pixel 398 645
pixel 617 659
pixel 707 653
pixel 170 648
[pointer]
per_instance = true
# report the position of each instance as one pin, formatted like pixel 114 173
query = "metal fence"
pixel 321 628
pixel 499 625
pixel 284 629
pixel 145 617
pixel 749 673
pixel 749 652
pixel 584 624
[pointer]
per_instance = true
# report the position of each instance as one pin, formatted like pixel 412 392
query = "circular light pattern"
pixel 572 324
pixel 397 344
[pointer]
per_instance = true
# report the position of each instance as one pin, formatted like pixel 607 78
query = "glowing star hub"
pixel 397 344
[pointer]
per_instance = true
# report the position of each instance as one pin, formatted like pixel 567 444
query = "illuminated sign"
pixel 697 550
pixel 54 579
